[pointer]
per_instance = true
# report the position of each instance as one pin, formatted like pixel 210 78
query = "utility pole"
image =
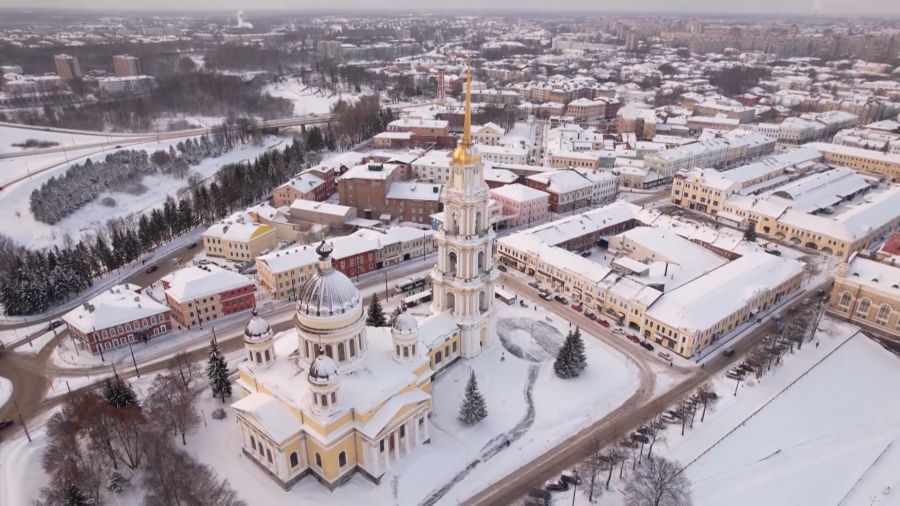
pixel 21 421
pixel 133 361
pixel 575 488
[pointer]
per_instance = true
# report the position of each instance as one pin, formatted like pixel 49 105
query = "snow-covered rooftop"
pixel 117 305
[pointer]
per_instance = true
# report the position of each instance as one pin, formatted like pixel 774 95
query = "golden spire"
pixel 464 154
pixel 467 122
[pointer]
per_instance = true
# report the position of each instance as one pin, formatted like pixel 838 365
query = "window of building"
pixel 295 461
pixel 845 300
pixel 342 459
pixel 884 313
pixel 863 309
pixel 253 442
pixel 269 456
pixel 318 460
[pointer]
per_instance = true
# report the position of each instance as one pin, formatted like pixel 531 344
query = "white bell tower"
pixel 464 276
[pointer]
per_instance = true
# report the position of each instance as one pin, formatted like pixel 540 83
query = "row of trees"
pixel 191 92
pixel 101 440
pixel 33 280
pixel 121 171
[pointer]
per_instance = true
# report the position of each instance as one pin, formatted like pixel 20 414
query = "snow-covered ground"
pixel 833 437
pixel 14 201
pixel 821 428
pixel 10 135
pixel 10 336
pixel 6 390
pixel 307 100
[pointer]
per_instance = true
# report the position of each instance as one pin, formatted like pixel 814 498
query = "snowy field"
pixel 307 100
pixel 10 135
pixel 10 336
pixel 20 225
pixel 812 431
pixel 6 390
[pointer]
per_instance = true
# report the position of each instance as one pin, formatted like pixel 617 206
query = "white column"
pixel 406 438
pixel 396 440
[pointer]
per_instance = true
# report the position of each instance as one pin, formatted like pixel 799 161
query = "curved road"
pixel 641 407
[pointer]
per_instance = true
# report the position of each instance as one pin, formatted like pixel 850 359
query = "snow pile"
pixel 6 390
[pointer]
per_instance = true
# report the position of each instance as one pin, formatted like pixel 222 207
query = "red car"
pixel 603 323
pixel 590 315
pixel 634 338
pixel 576 307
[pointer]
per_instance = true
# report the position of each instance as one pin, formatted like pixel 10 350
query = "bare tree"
pixel 590 469
pixel 614 455
pixel 658 482
pixel 173 477
pixel 655 431
pixel 708 397
pixel 184 368
pixel 170 404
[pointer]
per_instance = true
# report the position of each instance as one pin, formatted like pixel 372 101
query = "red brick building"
pixel 116 317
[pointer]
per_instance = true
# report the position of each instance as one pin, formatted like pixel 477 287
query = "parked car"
pixel 192 245
pixel 151 269
pixel 534 285
pixel 546 295
pixel 5 423
pixel 665 356
pixel 560 299
pixel 570 479
pixel 577 307
pixel 586 253
pixel 603 323
pixel 501 268
pixel 647 346
pixel 728 352
pixel 557 486
pixel 538 497
pixel 618 330
pixel 775 252
pixel 590 315
pixel 633 338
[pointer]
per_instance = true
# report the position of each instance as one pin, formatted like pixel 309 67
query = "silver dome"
pixel 257 329
pixel 405 324
pixel 329 292
pixel 323 370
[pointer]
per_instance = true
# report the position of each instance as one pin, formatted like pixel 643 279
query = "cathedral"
pixel 343 398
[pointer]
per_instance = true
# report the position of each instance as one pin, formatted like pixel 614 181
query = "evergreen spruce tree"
pixel 71 495
pixel 473 409
pixel 376 313
pixel 217 373
pixel 571 360
pixel 118 393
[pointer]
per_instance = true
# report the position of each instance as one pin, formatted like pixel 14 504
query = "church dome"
pixel 257 329
pixel 323 370
pixel 405 324
pixel 329 291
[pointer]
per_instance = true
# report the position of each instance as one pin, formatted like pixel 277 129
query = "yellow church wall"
pixel 330 468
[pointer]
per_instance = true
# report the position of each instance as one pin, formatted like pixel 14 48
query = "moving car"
pixel 501 268
pixel 665 356
pixel 5 423
pixel 728 352
pixel 546 295
pixel 192 245
pixel 151 269
pixel 54 324
pixel 561 299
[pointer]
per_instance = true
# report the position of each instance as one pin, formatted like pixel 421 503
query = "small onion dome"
pixel 405 324
pixel 257 329
pixel 323 370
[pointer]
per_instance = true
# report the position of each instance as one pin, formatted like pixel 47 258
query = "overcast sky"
pixel 710 7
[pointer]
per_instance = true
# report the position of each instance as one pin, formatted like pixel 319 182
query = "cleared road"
pixel 618 423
